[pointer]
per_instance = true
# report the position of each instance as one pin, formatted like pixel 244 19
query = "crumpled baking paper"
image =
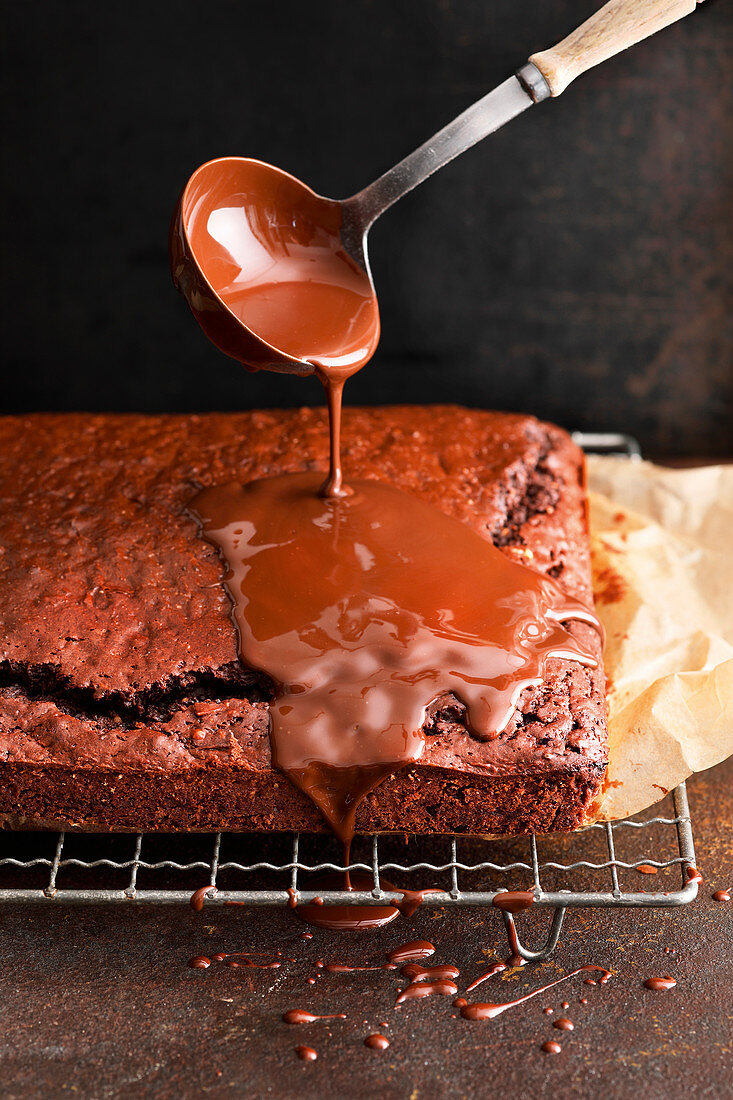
pixel 662 545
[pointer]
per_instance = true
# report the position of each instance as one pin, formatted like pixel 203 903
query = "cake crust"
pixel 117 645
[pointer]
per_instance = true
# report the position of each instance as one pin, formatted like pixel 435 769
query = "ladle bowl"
pixel 259 258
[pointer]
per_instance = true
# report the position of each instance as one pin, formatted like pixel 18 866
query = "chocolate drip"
pixel 300 1016
pixel 235 959
pixel 344 968
pixel 442 972
pixel 376 1042
pixel 333 487
pixel 513 901
pixel 413 899
pixel 427 989
pixel 495 968
pixel 409 952
pixel 199 962
pixel 355 609
pixel 198 897
pixel 488 1011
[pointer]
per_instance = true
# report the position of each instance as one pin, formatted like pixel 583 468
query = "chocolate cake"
pixel 123 704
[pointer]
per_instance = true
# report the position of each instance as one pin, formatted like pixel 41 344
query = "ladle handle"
pixel 475 123
pixel 618 25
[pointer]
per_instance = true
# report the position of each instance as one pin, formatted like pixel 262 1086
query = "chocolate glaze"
pixel 384 625
pixel 511 902
pixel 376 1042
pixel 427 989
pixel 514 959
pixel 507 477
pixel 300 1016
pixel 488 1011
pixel 408 952
pixel 660 985
pixel 306 1054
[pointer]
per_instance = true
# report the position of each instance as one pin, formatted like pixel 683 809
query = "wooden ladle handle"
pixel 618 25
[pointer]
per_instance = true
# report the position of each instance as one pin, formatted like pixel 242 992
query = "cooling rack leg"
pixel 50 890
pixel 550 944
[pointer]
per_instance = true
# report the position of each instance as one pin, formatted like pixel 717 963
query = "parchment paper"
pixel 662 543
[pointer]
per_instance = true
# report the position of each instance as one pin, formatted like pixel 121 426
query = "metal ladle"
pixel 205 268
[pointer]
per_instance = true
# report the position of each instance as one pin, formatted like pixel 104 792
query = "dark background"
pixel 573 265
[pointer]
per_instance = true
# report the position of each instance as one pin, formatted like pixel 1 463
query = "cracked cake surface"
pixel 123 704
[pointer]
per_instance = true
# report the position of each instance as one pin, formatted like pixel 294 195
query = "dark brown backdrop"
pixel 573 265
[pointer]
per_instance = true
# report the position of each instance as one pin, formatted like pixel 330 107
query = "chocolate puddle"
pixel 347 918
pixel 356 611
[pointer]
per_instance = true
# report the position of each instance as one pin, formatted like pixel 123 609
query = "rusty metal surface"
pixel 100 1002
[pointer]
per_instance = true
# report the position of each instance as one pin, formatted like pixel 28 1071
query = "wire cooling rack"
pixel 80 868
pixel 578 870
